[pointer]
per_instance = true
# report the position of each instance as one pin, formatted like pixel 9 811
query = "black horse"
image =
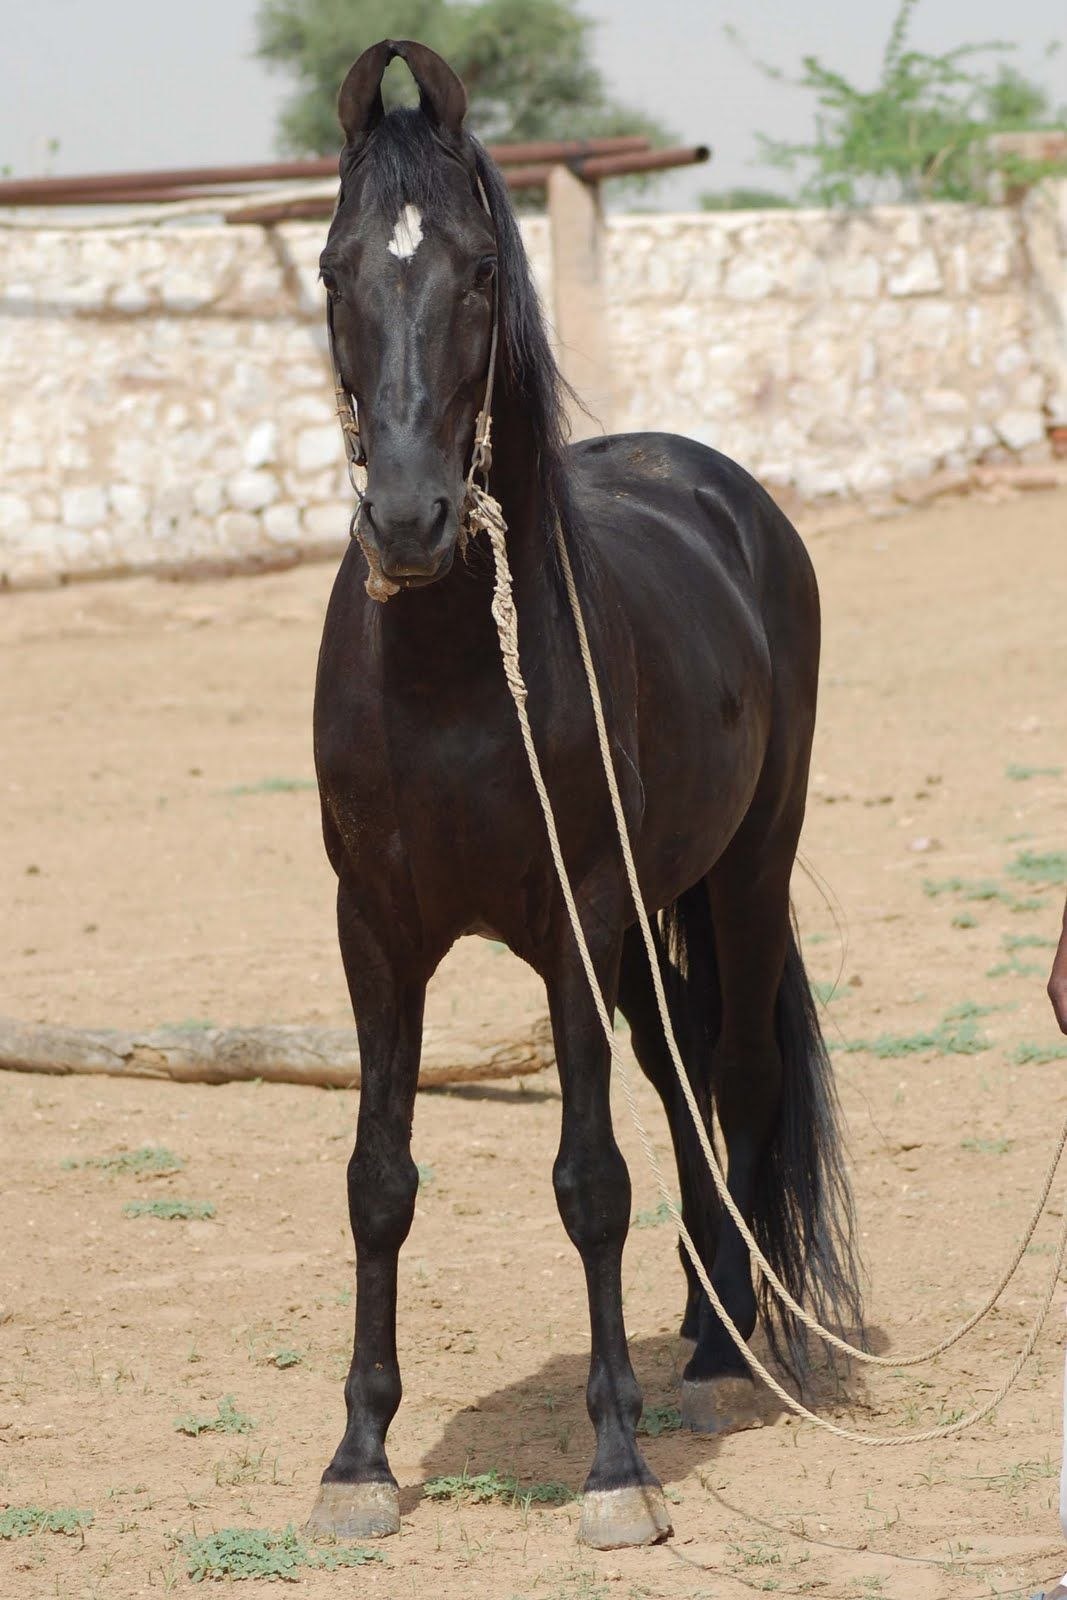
pixel 704 622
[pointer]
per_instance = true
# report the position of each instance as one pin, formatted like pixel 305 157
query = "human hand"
pixel 1057 983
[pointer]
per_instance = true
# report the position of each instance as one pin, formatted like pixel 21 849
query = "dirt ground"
pixel 161 863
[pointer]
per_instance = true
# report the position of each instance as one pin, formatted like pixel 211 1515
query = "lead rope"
pixel 710 1153
pixel 482 512
pixel 488 515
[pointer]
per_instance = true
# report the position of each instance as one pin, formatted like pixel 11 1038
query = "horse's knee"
pixel 593 1195
pixel 381 1198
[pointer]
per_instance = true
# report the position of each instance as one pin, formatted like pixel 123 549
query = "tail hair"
pixel 804 1217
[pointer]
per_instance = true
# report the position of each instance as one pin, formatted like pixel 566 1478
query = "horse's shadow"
pixel 537 1429
pixel 521 1091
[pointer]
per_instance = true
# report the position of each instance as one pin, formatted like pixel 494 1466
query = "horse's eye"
pixel 483 272
pixel 329 283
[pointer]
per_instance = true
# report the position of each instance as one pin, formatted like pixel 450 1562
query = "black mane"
pixel 527 354
pixel 405 161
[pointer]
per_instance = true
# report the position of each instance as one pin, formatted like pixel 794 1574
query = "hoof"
pixel 614 1518
pixel 720 1405
pixel 356 1511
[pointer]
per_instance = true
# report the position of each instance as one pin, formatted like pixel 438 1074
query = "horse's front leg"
pixel 622 1502
pixel 359 1498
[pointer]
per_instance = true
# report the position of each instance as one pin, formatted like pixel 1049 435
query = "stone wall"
pixel 166 399
pixel 839 353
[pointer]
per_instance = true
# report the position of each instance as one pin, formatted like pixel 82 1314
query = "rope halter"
pixel 480 510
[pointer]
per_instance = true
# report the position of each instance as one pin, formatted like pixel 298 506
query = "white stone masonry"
pixel 165 394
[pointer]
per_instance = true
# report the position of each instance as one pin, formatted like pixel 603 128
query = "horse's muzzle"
pixel 415 548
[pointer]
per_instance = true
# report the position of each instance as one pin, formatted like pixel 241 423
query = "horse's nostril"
pixel 440 517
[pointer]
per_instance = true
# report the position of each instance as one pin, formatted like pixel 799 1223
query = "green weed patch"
pixel 227 1419
pixel 659 1419
pixel 956 1035
pixel 825 992
pixel 965 888
pixel 1020 774
pixel 1015 969
pixel 1047 867
pixel 982 889
pixel 234 1554
pixel 287 1358
pixel 1038 1055
pixel 170 1210
pixel 19 1522
pixel 273 786
pixel 150 1161
pixel 485 1488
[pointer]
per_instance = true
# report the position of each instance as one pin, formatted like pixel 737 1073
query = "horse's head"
pixel 409 268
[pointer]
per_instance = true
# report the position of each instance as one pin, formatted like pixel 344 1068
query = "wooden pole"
pixel 583 344
pixel 321 1057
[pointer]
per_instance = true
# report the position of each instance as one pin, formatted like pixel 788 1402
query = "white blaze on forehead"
pixel 407 235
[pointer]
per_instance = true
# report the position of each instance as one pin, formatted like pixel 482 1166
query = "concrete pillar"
pixel 583 345
pixel 1043 216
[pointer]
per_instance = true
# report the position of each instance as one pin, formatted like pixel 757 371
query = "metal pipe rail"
pixel 173 183
pixel 535 176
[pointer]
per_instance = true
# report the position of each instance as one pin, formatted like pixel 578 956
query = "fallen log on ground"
pixel 321 1057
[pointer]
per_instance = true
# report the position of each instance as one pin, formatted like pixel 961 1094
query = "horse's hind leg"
pixel 693 1001
pixel 776 1102
pixel 622 1503
pixel 749 901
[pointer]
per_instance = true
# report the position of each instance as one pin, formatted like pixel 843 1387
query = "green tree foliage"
pixel 527 65
pixel 744 198
pixel 921 133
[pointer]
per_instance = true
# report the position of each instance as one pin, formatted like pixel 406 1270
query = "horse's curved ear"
pixel 442 97
pixel 359 104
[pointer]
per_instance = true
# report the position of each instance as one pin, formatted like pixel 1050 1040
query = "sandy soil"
pixel 161 862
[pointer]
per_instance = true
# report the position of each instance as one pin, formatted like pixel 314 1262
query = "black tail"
pixel 803 1218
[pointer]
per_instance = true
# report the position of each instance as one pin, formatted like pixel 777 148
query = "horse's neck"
pixel 516 478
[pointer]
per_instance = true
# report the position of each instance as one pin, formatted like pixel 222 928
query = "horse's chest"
pixel 462 791
pixel 436 803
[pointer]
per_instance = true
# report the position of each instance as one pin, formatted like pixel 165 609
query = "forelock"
pixel 402 163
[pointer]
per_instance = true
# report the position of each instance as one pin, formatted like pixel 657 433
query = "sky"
pixel 125 84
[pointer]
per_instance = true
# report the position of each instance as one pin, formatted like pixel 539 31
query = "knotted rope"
pixel 487 514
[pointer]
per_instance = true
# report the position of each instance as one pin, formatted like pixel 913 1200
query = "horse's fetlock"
pixel 374 1390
